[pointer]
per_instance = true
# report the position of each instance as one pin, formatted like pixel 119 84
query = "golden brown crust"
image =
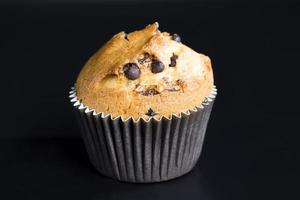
pixel 102 85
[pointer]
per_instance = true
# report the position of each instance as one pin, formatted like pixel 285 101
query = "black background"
pixel 251 148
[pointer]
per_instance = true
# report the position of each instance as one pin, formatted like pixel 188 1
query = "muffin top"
pixel 146 73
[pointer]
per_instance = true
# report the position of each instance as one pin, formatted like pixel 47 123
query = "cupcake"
pixel 143 101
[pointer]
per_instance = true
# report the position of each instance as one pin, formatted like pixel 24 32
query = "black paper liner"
pixel 143 151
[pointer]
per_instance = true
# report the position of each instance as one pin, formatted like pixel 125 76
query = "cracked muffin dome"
pixel 143 74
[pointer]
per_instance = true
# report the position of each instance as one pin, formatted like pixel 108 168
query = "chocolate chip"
pixel 150 112
pixel 126 37
pixel 150 91
pixel 157 66
pixel 131 71
pixel 176 38
pixel 173 60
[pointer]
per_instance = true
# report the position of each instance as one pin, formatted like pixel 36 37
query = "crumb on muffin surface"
pixel 144 73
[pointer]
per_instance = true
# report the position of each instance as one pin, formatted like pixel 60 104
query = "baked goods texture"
pixel 146 73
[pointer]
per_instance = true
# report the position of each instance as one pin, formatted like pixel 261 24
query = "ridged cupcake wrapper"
pixel 144 150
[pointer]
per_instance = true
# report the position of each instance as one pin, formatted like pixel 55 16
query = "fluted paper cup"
pixel 144 150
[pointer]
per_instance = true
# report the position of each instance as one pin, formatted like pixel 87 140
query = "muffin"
pixel 143 102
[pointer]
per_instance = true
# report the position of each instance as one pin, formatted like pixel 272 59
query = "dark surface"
pixel 252 146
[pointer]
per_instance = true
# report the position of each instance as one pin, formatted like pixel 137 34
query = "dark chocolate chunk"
pixel 176 37
pixel 173 60
pixel 131 71
pixel 157 66
pixel 150 91
pixel 126 37
pixel 150 112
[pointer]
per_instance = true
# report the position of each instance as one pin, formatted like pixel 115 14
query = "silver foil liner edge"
pixel 143 151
